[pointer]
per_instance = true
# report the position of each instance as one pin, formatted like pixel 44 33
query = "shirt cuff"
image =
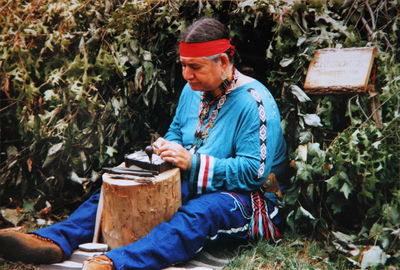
pixel 201 174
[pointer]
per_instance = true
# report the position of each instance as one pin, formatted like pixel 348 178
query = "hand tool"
pixel 121 170
pixel 142 180
pixel 149 151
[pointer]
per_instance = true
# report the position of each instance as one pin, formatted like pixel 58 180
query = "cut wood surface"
pixel 339 71
pixel 132 209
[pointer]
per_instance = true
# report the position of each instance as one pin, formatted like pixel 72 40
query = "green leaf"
pixel 315 150
pixel 374 256
pixel 246 3
pixel 28 206
pixel 111 151
pixel 303 172
pixel 343 175
pixel 269 51
pixel 292 195
pixel 299 93
pixel 12 152
pixel 75 178
pixel 345 238
pixel 312 120
pixel 123 59
pixel 332 182
pixel 52 154
pixel 306 213
pixel 336 208
pixel 290 220
pixel 300 41
pixel 117 105
pixel 286 61
pixel 302 151
pixel 376 144
pixel 146 56
pixel 346 190
pixel 310 191
pixel 305 137
pixel 162 86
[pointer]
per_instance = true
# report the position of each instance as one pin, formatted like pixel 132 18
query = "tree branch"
pixel 371 14
pixel 368 28
pixel 3 7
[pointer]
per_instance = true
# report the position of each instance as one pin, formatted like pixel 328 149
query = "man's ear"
pixel 224 60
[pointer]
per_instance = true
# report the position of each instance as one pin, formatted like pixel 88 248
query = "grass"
pixel 293 252
pixel 6 265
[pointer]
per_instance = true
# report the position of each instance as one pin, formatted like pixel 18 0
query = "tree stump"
pixel 132 209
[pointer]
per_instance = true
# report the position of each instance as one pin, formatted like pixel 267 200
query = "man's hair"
pixel 206 29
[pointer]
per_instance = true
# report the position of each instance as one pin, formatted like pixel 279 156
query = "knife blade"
pixel 119 170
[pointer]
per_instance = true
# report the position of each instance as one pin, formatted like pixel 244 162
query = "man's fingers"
pixel 171 160
pixel 168 153
pixel 159 143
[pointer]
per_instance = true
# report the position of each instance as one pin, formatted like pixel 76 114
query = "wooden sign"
pixel 340 71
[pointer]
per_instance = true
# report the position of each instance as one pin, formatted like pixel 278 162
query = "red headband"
pixel 203 49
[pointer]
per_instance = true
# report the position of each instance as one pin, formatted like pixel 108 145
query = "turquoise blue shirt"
pixel 230 158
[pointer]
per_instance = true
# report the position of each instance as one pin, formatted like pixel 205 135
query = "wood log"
pixel 132 209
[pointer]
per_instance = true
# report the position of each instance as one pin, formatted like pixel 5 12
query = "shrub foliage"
pixel 85 82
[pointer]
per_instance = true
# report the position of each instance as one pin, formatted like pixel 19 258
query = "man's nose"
pixel 187 74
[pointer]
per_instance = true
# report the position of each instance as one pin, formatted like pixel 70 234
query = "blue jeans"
pixel 197 221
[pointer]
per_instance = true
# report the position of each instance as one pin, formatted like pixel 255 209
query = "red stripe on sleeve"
pixel 205 176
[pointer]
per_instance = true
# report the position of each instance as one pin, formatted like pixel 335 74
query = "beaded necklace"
pixel 226 87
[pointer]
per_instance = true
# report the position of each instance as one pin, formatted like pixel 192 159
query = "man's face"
pixel 201 73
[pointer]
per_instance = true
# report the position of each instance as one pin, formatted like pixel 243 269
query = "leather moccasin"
pixel 29 248
pixel 101 262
